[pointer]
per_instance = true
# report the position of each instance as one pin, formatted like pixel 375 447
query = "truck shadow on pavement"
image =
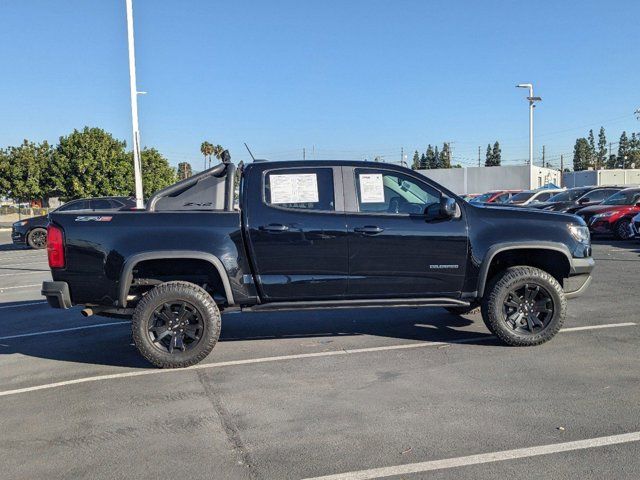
pixel 112 346
pixel 9 247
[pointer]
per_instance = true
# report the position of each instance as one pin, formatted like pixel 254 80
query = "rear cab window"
pixel 300 189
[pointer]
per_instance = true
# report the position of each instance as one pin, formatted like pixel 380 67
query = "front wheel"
pixel 176 325
pixel 622 230
pixel 524 306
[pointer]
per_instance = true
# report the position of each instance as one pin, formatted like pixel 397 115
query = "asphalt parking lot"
pixel 404 393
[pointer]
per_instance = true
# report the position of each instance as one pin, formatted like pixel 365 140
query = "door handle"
pixel 369 230
pixel 274 228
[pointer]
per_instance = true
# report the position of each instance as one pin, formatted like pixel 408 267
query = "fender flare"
pixel 126 276
pixel 501 247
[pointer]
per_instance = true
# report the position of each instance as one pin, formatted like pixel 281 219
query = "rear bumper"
pixel 57 294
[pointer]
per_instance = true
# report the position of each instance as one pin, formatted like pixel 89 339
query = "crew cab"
pixel 313 234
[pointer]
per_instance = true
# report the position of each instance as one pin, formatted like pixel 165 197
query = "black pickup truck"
pixel 306 235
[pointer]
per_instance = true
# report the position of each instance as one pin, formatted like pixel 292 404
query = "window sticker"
pixel 298 188
pixel 371 188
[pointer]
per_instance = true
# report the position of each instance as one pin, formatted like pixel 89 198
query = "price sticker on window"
pixel 371 188
pixel 298 188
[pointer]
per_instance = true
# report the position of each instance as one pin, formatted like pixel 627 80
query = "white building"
pixel 601 177
pixel 483 179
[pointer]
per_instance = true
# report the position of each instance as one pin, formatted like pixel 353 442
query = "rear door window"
pixel 300 188
pixel 100 204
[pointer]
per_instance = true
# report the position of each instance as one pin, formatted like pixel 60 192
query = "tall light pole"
pixel 532 101
pixel 137 167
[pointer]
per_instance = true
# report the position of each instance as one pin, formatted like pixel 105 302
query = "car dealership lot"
pixel 307 394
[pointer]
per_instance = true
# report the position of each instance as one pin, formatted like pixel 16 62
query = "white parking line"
pixel 501 456
pixel 61 330
pixel 13 265
pixel 22 305
pixel 249 361
pixel 39 272
pixel 20 286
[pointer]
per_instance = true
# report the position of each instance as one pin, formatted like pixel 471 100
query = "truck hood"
pixel 521 213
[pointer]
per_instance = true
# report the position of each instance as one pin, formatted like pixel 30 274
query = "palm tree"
pixel 206 149
pixel 217 151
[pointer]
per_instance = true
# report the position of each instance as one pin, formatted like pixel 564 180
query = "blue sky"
pixel 345 79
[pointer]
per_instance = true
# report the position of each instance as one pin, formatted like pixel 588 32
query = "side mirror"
pixel 448 207
pixel 584 200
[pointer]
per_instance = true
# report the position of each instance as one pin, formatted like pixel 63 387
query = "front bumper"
pixel 57 294
pixel 579 278
pixel 601 226
pixel 18 237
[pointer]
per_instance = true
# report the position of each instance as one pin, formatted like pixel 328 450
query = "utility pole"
pixel 543 157
pixel 561 170
pixel 304 153
pixel 478 156
pixel 137 167
pixel 401 156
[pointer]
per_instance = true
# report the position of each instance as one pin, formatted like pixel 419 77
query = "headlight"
pixel 580 233
pixel 605 214
pixel 22 223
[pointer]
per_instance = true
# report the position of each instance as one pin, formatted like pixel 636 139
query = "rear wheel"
pixel 37 238
pixel 176 324
pixel 524 306
pixel 622 230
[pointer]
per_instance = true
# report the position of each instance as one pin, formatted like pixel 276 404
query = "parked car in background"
pixel 495 196
pixel 635 226
pixel 573 199
pixel 529 197
pixel 613 216
pixel 469 196
pixel 33 231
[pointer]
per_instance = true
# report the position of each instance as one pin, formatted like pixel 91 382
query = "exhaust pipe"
pixel 87 312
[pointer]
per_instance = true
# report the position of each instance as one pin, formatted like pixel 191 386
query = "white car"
pixel 534 196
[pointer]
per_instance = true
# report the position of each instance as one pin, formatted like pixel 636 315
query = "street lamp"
pixel 532 101
pixel 137 164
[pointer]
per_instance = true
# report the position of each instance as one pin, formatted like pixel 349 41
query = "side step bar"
pixel 361 303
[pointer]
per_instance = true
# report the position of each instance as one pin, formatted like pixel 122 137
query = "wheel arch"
pixel 558 252
pixel 126 275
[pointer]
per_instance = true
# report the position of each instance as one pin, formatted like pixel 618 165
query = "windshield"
pixel 625 197
pixel 522 197
pixel 482 198
pixel 568 195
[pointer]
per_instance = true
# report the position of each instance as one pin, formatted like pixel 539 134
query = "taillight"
pixel 55 246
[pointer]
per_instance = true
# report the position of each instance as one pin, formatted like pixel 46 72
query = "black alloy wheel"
pixel 175 326
pixel 37 238
pixel 623 231
pixel 528 309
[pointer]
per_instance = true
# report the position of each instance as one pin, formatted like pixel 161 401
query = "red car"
pixel 614 214
pixel 495 196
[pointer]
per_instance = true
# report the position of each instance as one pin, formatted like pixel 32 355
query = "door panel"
pixel 298 239
pixel 395 252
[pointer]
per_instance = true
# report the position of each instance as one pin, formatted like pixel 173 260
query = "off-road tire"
pixel 172 292
pixel 621 230
pixel 34 238
pixel 471 309
pixel 495 295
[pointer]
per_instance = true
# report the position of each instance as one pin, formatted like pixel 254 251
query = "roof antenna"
pixel 247 147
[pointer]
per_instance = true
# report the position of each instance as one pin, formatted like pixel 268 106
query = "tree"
pixel 416 161
pixel 592 148
pixel 94 164
pixel 156 172
pixel 623 150
pixel 496 154
pixel 184 170
pixel 236 179
pixel 602 149
pixel 581 154
pixel 430 157
pixel 5 174
pixel 488 161
pixel 217 151
pixel 24 170
pixel 435 160
pixel 444 161
pixel 206 149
